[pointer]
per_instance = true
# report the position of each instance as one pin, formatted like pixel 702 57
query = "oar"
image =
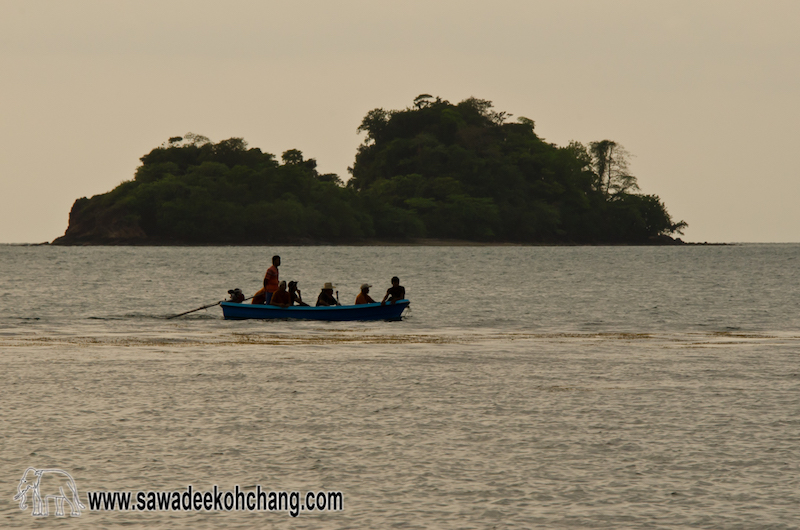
pixel 204 307
pixel 198 309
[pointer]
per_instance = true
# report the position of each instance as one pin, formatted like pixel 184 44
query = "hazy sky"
pixel 705 94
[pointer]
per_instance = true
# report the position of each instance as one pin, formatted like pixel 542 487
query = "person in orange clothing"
pixel 281 297
pixel 364 297
pixel 260 298
pixel 264 295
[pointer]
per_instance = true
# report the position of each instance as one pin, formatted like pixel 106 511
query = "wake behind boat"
pixel 376 311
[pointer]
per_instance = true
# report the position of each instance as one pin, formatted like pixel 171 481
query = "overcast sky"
pixel 705 94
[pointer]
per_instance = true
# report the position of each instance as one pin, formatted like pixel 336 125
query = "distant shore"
pixel 427 242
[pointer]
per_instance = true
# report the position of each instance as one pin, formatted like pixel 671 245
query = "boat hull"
pixel 375 311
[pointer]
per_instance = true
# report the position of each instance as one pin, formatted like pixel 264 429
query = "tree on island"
pixel 191 190
pixel 435 169
pixel 462 171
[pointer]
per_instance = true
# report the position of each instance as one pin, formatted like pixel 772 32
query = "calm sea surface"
pixel 528 387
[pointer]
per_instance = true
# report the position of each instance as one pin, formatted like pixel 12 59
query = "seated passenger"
pixel 260 298
pixel 281 296
pixel 326 298
pixel 364 297
pixel 295 295
pixel 237 296
pixel 395 292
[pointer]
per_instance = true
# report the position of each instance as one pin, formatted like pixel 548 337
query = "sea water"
pixel 527 387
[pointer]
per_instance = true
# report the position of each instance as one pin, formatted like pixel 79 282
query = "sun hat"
pixel 328 285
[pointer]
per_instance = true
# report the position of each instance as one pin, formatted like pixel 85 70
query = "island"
pixel 433 171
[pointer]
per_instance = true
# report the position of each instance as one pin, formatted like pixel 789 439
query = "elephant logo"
pixel 48 484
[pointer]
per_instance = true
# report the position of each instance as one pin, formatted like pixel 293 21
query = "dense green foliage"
pixel 460 171
pixel 433 170
pixel 196 192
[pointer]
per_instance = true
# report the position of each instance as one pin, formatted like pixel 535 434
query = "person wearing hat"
pixel 364 297
pixel 295 294
pixel 281 296
pixel 326 298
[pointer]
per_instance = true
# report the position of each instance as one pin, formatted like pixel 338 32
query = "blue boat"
pixel 232 311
